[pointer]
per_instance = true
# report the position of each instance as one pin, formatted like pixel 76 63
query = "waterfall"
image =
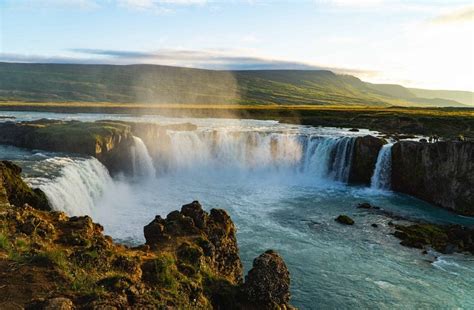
pixel 383 169
pixel 78 186
pixel 141 160
pixel 250 151
pixel 341 164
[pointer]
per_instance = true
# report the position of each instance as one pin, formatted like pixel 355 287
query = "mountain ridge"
pixel 143 83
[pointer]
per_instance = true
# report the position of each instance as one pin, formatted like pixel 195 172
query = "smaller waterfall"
pixel 383 169
pixel 141 160
pixel 80 183
pixel 341 165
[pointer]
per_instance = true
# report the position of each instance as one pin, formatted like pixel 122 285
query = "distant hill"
pixel 464 97
pixel 164 84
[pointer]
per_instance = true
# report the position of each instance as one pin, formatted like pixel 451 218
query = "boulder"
pixel 441 173
pixel 344 219
pixel 364 158
pixel 267 284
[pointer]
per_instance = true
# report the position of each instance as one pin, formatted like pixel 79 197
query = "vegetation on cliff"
pixel 15 191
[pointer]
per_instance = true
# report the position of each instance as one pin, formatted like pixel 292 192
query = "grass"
pixel 4 242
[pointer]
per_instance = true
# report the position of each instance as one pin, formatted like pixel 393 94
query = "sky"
pixel 426 44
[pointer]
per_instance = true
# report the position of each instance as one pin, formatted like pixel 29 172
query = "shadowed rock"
pixel 15 191
pixel 441 173
pixel 344 219
pixel 268 282
pixel 366 150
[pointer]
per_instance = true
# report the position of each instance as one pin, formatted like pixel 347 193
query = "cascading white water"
pixel 321 157
pixel 381 179
pixel 79 184
pixel 141 160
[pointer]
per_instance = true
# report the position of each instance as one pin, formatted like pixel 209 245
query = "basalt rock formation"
pixel 51 261
pixel 441 173
pixel 364 158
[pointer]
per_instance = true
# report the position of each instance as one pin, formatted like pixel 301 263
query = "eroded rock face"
pixel 366 150
pixel 15 191
pixel 268 282
pixel 108 141
pixel 213 233
pixel 441 173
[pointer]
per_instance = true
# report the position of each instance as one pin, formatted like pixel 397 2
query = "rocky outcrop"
pixel 212 235
pixel 15 191
pixel 441 173
pixel 109 142
pixel 364 158
pixel 444 239
pixel 267 284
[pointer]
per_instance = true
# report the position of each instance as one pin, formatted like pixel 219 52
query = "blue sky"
pixel 415 43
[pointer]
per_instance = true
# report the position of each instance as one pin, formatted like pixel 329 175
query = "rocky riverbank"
pixel 190 260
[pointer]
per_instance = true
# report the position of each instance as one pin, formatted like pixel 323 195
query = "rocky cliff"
pixel 190 261
pixel 441 173
pixel 107 141
pixel 364 158
pixel 15 191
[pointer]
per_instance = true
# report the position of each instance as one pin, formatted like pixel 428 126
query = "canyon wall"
pixel 441 173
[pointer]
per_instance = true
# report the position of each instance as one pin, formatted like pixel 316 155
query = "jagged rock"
pixel 15 191
pixel 441 173
pixel 344 219
pixel 214 233
pixel 364 158
pixel 59 303
pixel 268 282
